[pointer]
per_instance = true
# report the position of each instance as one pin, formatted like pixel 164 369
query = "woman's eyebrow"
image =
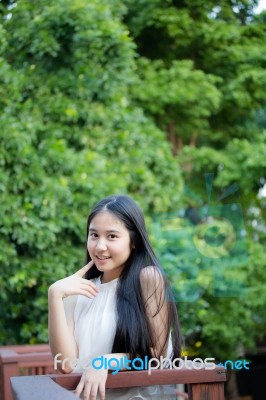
pixel 108 231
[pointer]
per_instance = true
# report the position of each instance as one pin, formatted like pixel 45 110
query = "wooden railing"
pixel 23 360
pixel 202 384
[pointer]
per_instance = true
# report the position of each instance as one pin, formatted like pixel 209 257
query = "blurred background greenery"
pixel 139 97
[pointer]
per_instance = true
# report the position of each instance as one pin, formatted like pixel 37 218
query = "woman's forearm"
pixel 61 339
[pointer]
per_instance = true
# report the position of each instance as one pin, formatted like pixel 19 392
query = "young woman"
pixel 119 305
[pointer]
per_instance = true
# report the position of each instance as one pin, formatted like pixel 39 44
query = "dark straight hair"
pixel 133 332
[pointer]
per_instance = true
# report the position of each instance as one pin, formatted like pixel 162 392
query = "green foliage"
pixel 202 79
pixel 93 96
pixel 69 136
pixel 179 91
pixel 227 58
pixel 218 296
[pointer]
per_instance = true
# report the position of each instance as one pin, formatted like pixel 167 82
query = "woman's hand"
pixel 75 284
pixel 91 383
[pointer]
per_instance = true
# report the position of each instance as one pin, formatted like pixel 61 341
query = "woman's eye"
pixel 112 236
pixel 93 234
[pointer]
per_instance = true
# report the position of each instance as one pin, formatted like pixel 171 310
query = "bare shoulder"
pixel 151 278
pixel 150 274
pixel 153 288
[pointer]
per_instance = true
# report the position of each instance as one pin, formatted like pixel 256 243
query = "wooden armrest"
pixel 142 378
pixel 54 387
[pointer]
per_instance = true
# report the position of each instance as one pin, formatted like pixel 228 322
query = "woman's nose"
pixel 101 245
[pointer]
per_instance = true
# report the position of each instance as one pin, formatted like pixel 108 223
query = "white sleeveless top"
pixel 95 327
pixel 95 321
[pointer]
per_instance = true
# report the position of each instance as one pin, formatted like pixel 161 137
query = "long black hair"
pixel 133 332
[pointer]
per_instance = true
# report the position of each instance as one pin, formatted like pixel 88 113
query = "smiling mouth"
pixel 102 258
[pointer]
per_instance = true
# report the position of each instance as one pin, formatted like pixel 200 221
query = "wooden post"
pixel 205 391
pixel 8 367
pixel 22 360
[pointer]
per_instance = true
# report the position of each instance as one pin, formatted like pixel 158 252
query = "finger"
pixel 94 390
pixel 87 391
pixel 79 388
pixel 87 294
pixel 84 269
pixel 102 391
pixel 89 283
pixel 89 289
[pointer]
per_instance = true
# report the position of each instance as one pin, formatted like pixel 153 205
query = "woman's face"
pixel 108 244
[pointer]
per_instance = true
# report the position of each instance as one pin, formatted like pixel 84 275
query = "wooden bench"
pixel 23 360
pixel 202 384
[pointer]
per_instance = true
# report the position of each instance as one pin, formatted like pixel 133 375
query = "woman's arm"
pixel 157 308
pixel 61 301
pixel 61 331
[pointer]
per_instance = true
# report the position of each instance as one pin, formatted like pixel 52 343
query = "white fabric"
pixel 95 327
pixel 95 322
